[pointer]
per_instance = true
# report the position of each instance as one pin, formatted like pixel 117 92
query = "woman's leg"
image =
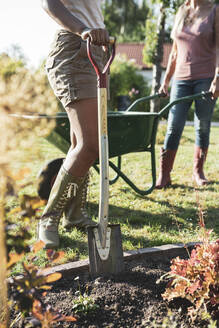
pixel 72 175
pixel 178 114
pixel 84 151
pixel 203 114
pixel 84 127
pixel 202 122
pixel 176 122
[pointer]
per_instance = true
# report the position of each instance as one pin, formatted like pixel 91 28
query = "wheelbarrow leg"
pixel 104 242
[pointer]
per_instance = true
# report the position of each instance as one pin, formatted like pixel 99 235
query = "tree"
pixel 15 52
pixel 125 19
pixel 155 37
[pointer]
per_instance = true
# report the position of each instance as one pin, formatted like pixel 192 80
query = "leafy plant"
pixel 83 303
pixel 47 317
pixel 124 77
pixel 29 288
pixel 197 278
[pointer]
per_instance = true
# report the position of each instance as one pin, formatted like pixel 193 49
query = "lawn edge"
pixel 162 253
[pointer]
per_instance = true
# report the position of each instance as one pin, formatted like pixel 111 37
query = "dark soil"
pixel 132 299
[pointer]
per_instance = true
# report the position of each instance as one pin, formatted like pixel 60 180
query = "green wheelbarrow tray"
pixel 128 132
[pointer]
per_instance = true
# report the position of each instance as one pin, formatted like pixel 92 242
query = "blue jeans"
pixel 178 113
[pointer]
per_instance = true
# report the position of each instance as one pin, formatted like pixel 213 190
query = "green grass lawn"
pixel 163 217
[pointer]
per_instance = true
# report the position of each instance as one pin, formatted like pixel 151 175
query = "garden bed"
pixel 131 299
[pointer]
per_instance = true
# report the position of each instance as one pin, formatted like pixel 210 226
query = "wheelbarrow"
pixel 129 131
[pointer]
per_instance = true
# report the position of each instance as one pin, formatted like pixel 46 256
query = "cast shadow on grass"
pixel 186 219
pixel 191 213
pixel 141 220
pixel 173 186
pixel 176 186
pixel 181 186
pixel 210 185
pixel 68 241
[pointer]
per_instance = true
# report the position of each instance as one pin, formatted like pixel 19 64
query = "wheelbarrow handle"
pixel 203 94
pixel 156 95
pixel 101 76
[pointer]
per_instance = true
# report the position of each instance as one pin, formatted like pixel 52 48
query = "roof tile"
pixel 135 50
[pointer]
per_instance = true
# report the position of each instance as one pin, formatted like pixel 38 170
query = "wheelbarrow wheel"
pixel 47 176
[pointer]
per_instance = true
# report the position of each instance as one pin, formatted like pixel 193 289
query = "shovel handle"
pixel 101 76
pixel 103 143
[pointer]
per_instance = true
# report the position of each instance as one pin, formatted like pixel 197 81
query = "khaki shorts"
pixel 70 73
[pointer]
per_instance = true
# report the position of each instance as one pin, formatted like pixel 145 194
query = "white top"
pixel 87 11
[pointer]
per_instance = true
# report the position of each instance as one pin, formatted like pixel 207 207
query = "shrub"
pixel 25 93
pixel 29 287
pixel 125 80
pixel 197 278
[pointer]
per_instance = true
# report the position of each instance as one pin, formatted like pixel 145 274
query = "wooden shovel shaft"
pixel 103 142
pixel 104 167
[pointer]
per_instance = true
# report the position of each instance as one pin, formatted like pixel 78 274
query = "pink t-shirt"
pixel 196 50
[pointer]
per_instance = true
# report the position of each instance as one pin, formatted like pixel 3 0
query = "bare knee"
pixel 85 152
pixel 89 151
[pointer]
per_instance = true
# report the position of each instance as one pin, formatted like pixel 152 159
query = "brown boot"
pixel 75 214
pixel 200 155
pixel 166 164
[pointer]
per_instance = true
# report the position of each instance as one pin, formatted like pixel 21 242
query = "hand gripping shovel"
pixel 105 247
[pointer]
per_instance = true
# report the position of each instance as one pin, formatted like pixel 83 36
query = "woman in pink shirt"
pixel 194 65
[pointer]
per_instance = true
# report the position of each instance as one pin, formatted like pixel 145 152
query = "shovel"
pixel 104 242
